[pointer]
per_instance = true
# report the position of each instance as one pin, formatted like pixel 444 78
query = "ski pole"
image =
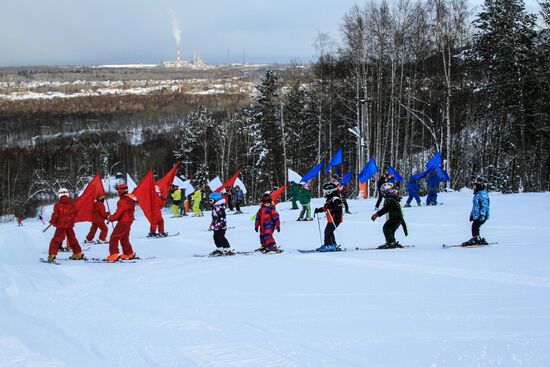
pixel 319 225
pixel 45 229
pixel 109 209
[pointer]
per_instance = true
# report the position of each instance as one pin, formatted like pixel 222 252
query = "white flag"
pixel 239 183
pixel 131 184
pixel 215 184
pixel 293 176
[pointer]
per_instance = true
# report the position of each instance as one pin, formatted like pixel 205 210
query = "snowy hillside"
pixel 423 306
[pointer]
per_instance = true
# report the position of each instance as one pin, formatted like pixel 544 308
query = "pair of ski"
pixel 468 246
pixel 96 260
pixel 355 249
pixel 234 253
pixel 159 237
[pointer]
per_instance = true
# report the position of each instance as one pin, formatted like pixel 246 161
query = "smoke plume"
pixel 176 31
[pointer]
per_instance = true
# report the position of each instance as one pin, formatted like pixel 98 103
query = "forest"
pixel 403 81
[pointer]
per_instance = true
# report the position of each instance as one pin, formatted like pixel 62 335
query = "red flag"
pixel 148 199
pixel 230 182
pixel 165 183
pixel 275 194
pixel 85 202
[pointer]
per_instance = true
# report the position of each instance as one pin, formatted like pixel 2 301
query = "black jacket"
pixel 391 206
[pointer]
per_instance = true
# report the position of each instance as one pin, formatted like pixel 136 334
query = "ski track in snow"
pixel 454 307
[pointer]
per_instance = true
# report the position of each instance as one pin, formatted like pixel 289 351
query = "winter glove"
pixel 256 229
pixel 374 216
pixel 471 218
pixel 318 210
pixel 278 229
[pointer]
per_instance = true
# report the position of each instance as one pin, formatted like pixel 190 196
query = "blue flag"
pixel 435 161
pixel 335 161
pixel 392 171
pixel 313 172
pixel 347 178
pixel 367 171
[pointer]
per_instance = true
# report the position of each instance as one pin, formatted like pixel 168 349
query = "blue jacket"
pixel 481 205
pixel 433 182
pixel 413 186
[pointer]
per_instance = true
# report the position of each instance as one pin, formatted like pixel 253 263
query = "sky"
pixel 60 32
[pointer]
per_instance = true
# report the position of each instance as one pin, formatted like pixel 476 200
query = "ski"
pixel 321 252
pixel 96 260
pixel 377 248
pixel 471 246
pixel 84 249
pixel 227 255
pixel 159 237
pixel 49 262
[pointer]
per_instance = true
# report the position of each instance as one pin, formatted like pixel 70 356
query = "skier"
pixel 197 198
pixel 41 218
pixel 229 197
pixel 219 225
pixel 381 180
pixel 294 194
pixel 305 199
pixel 395 217
pixel 160 223
pixel 335 216
pixel 433 188
pixel 412 188
pixel 176 200
pixel 64 212
pixel 125 216
pixel 19 222
pixel 99 216
pixel 238 197
pixel 267 221
pixel 479 213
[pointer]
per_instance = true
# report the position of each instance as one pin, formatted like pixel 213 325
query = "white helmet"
pixel 62 192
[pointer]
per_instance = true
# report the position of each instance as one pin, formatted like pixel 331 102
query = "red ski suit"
pixel 99 215
pixel 64 212
pixel 125 216
pixel 160 223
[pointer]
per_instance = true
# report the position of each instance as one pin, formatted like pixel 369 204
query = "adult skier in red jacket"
pixel 124 215
pixel 99 215
pixel 64 212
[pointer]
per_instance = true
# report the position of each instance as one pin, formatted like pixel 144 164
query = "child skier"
pixel 19 222
pixel 99 216
pixel 267 221
pixel 238 197
pixel 395 217
pixel 125 216
pixel 412 188
pixel 333 209
pixel 160 223
pixel 219 225
pixel 479 213
pixel 176 200
pixel 305 200
pixel 433 188
pixel 64 212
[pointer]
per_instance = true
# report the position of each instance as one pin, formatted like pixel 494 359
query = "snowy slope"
pixel 423 306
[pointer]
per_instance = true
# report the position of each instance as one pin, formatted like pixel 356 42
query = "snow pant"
pixel 415 196
pixel 380 197
pixel 19 224
pixel 306 208
pixel 93 229
pixel 59 236
pixel 475 227
pixel 219 239
pixel 175 210
pixel 346 206
pixel 389 229
pixel 230 202
pixel 159 225
pixel 122 234
pixel 294 203
pixel 238 205
pixel 329 233
pixel 432 197
pixel 266 238
pixel 197 208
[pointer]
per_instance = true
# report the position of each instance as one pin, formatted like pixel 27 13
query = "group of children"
pixel 267 220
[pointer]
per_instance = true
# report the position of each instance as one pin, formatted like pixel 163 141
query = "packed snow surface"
pixel 422 306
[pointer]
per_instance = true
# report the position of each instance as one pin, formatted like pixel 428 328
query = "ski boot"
pixel 101 242
pixel 327 248
pixel 474 241
pixel 152 235
pixel 112 258
pixel 128 256
pixel 92 241
pixel 217 252
pixel 271 248
pixel 227 251
pixel 388 245
pixel 483 242
pixel 77 256
pixel 163 234
pixel 51 258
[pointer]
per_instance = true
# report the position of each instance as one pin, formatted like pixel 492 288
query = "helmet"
pixel 100 197
pixel 215 196
pixel 122 188
pixel 391 175
pixel 387 189
pixel 62 192
pixel 329 188
pixel 266 197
